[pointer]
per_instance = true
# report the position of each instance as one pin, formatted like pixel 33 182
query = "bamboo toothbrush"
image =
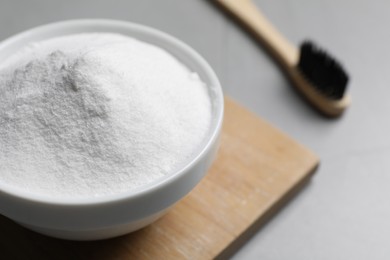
pixel 317 76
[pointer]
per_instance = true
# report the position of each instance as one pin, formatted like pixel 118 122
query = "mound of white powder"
pixel 95 114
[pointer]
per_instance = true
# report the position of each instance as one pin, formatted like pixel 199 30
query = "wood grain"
pixel 256 171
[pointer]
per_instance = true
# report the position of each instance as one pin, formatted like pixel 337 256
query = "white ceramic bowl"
pixel 114 215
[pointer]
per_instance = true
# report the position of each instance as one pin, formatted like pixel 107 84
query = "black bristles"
pixel 322 71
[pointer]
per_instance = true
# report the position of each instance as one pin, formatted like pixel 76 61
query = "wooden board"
pixel 257 169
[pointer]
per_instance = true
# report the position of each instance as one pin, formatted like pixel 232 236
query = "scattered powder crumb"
pixel 95 114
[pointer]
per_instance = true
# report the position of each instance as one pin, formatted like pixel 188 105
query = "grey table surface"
pixel 345 212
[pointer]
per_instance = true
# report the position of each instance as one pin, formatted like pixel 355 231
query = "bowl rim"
pixel 69 25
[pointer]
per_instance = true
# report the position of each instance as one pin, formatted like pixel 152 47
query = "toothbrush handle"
pixel 246 11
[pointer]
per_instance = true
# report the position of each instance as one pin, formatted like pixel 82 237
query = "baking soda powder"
pixel 96 114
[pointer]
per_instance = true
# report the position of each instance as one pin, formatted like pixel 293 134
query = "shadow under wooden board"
pixel 256 171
